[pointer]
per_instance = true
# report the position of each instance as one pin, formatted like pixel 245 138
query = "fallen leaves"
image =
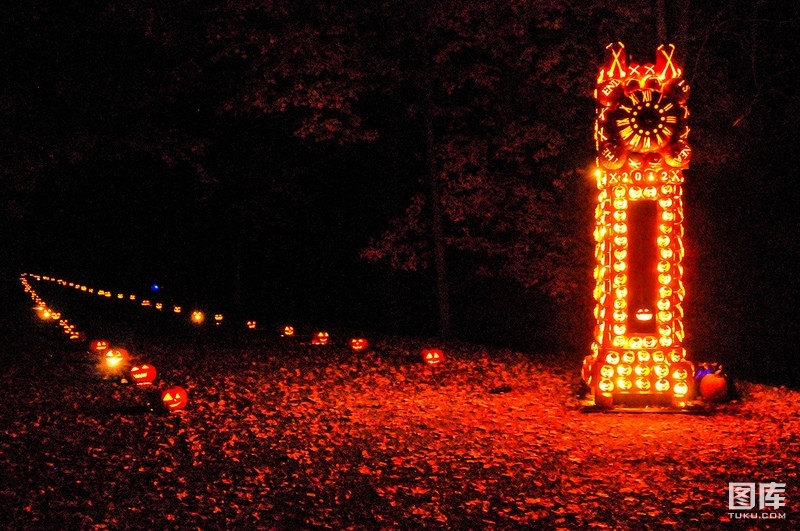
pixel 280 436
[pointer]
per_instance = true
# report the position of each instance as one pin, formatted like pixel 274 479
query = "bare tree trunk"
pixel 440 262
pixel 237 272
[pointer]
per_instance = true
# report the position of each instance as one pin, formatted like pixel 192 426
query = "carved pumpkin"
pixel 198 317
pixel 288 331
pixel 143 374
pixel 359 343
pixel 432 356
pixel 714 387
pixel 99 346
pixel 174 398
pixel 251 325
pixel 115 358
pixel 320 338
pixel 218 318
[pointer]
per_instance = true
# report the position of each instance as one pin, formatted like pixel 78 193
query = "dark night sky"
pixel 90 106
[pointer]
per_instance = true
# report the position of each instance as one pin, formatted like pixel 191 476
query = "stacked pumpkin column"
pixel 638 358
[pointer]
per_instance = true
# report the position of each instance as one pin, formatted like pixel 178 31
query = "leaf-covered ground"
pixel 284 435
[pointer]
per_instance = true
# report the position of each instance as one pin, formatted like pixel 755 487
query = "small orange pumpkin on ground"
pixel 432 356
pixel 714 387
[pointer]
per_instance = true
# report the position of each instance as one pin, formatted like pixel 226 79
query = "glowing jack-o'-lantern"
pixel 251 325
pixel 174 398
pixel 115 358
pixel 198 317
pixel 99 346
pixel 218 318
pixel 288 331
pixel 143 374
pixel 432 356
pixel 359 343
pixel 320 338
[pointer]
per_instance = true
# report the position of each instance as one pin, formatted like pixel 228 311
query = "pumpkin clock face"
pixel 432 356
pixel 646 120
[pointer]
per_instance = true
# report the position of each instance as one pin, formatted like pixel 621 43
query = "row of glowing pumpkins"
pixel 429 356
pixel 112 360
pixel 115 360
pixel 197 317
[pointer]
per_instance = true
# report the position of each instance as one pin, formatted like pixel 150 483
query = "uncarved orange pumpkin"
pixel 713 387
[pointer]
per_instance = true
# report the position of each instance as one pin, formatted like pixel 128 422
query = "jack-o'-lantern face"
pixel 251 325
pixel 432 356
pixel 143 374
pixel 198 317
pixel 644 315
pixel 174 398
pixel 288 331
pixel 99 346
pixel 359 343
pixel 320 338
pixel 115 358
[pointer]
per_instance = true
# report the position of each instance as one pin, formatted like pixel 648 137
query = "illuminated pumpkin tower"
pixel 641 130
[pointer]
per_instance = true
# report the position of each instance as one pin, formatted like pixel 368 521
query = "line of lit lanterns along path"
pixel 116 363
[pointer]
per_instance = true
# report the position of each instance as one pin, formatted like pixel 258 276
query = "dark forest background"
pixel 417 167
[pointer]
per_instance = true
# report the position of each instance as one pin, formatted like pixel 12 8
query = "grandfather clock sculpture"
pixel 641 131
